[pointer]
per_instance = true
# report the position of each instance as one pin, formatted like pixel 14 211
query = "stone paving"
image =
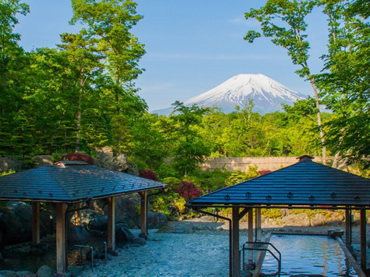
pixel 168 254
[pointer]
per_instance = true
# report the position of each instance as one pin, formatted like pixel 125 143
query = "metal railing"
pixel 80 246
pixel 260 246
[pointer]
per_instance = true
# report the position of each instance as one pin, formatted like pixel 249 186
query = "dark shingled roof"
pixel 304 183
pixel 70 182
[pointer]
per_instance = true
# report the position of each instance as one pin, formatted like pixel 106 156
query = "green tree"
pixel 344 84
pixel 284 22
pixel 109 24
pixel 190 148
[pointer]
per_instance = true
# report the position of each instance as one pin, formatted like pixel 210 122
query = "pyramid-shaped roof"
pixel 301 184
pixel 71 182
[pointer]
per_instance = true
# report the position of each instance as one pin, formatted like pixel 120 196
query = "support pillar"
pixel 258 224
pixel 61 238
pixel 363 239
pixel 111 223
pixel 349 229
pixel 144 214
pixel 36 222
pixel 250 263
pixel 235 243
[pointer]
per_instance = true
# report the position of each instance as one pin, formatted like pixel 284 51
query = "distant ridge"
pixel 267 94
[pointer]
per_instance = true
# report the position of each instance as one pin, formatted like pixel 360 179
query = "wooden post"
pixel 144 214
pixel 111 223
pixel 235 243
pixel 36 222
pixel 349 228
pixel 250 237
pixel 258 231
pixel 363 239
pixel 61 238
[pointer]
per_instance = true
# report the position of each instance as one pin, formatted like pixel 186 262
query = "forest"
pixel 81 96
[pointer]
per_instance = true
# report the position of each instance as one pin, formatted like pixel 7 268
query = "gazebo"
pixel 73 182
pixel 305 184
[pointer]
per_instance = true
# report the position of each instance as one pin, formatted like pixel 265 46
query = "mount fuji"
pixel 267 94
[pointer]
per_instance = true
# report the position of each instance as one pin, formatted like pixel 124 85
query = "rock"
pixel 318 220
pixel 44 271
pixel 295 220
pixel 140 241
pixel 77 234
pixel 20 251
pixel 106 158
pixel 106 151
pixel 156 220
pixel 8 273
pixel 42 160
pixel 9 163
pixel 98 222
pixel 127 207
pixel 75 270
pixel 16 223
pixel 123 234
pixel 26 274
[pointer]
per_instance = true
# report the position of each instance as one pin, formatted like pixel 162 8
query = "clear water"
pixel 307 255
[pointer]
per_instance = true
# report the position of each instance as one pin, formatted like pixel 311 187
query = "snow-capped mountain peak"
pixel 267 94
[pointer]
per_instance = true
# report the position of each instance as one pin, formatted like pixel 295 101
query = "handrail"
pixel 92 254
pixel 278 259
pixel 80 246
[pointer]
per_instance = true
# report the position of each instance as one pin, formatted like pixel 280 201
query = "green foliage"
pixel 209 181
pixel 344 83
pixel 189 148
pixel 239 176
pixel 284 22
pixel 122 138
pixel 10 171
pixel 272 213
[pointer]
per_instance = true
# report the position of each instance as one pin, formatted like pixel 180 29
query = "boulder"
pixel 98 222
pixel 123 234
pixel 9 163
pixel 156 220
pixel 42 160
pixel 25 274
pixel 8 273
pixel 127 210
pixel 105 158
pixel 301 219
pixel 44 271
pixel 75 270
pixel 16 222
pixel 77 234
pixel 318 220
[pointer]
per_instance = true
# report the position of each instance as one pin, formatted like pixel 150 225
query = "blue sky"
pixel 192 46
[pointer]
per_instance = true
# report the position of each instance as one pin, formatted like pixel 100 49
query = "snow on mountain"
pixel 267 95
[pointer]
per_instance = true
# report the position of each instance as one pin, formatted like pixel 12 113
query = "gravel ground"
pixel 168 254
pixel 197 247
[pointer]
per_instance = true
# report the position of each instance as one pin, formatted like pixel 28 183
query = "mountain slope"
pixel 267 95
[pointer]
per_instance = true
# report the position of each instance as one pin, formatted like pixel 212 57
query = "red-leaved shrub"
pixel 148 174
pixel 78 157
pixel 263 172
pixel 188 190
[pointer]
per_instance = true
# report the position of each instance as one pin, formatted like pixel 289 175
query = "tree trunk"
pixel 322 137
pixel 78 127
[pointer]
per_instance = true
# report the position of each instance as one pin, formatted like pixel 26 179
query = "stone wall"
pixel 263 163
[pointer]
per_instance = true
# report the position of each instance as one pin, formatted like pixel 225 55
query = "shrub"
pixel 188 190
pixel 148 174
pixel 78 157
